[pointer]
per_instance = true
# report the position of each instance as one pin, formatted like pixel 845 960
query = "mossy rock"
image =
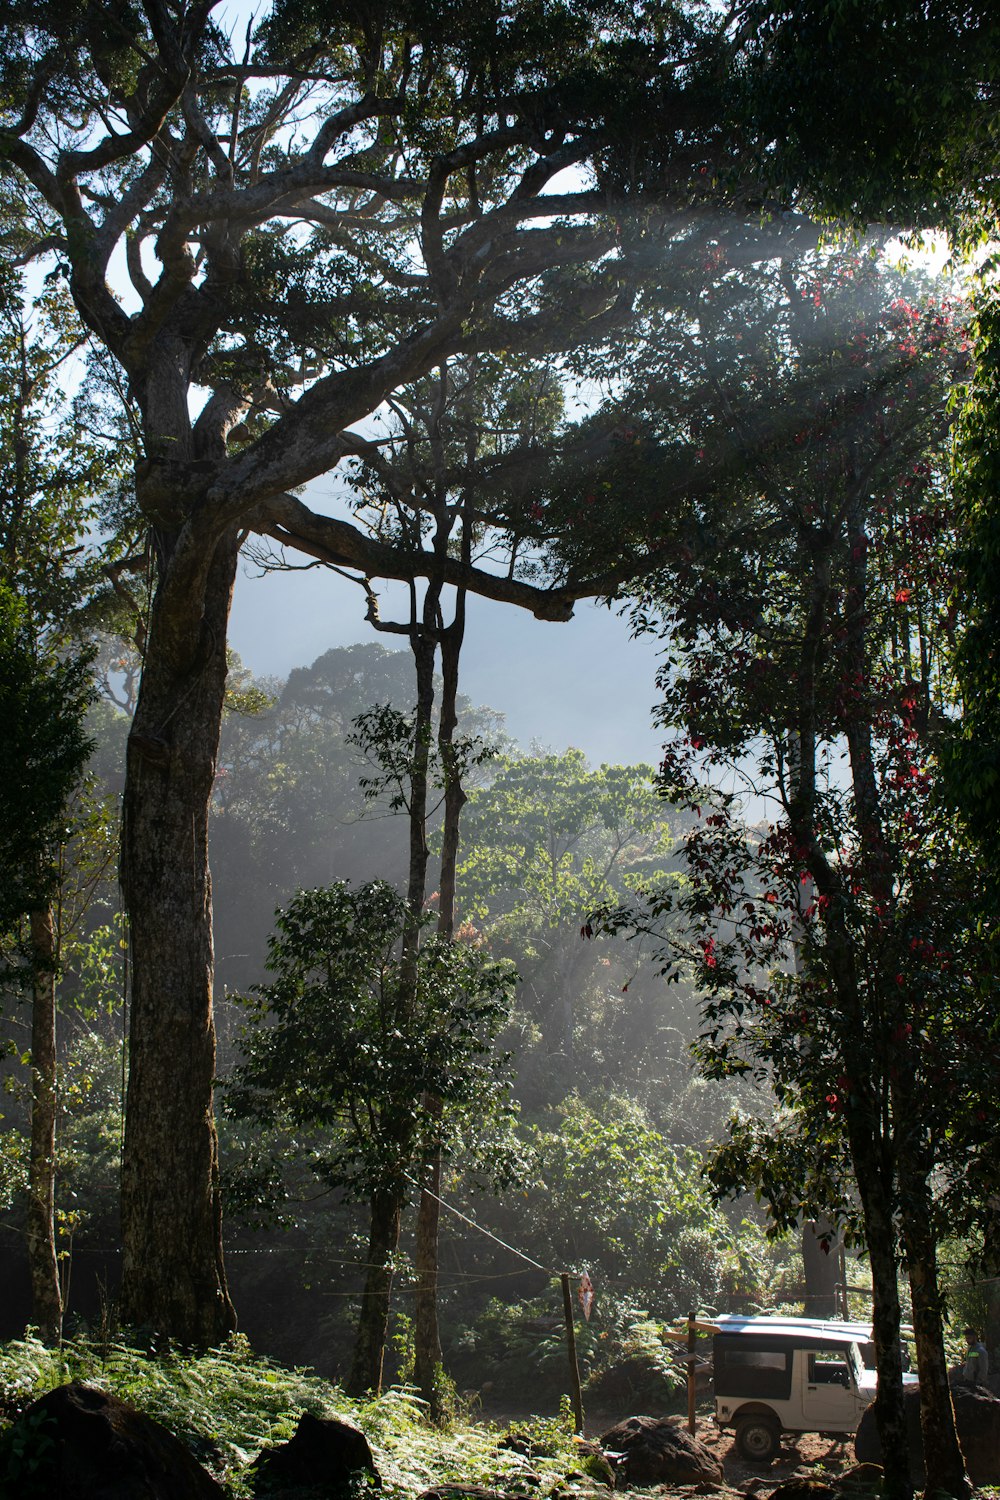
pixel 78 1441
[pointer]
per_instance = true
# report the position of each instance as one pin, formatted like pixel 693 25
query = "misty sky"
pixel 586 683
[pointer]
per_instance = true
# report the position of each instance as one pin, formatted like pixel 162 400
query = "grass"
pixel 229 1403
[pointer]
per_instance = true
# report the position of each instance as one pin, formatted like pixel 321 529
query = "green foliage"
pixel 26 1452
pixel 53 472
pixel 43 751
pixel 545 841
pixel 89 1139
pixel 605 1191
pixel 970 1289
pixel 523 1344
pixel 621 1351
pixel 797 1163
pixel 972 755
pixel 228 1404
pixel 879 113
pixel 339 1051
pixel 288 809
pixel 386 738
pixel 636 1363
pixel 14 1149
pixel 89 1085
pixel 817 620
pixel 551 837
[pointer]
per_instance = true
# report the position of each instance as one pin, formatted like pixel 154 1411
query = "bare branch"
pixel 289 521
pixel 128 206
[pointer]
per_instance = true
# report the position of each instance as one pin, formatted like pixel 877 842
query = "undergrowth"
pixel 229 1403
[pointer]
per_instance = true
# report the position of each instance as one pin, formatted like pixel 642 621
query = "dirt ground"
pixel 800 1453
pixel 803 1452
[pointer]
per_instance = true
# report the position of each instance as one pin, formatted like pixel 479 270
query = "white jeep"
pixel 775 1375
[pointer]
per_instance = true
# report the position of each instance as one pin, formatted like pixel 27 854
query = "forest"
pixel 355 1055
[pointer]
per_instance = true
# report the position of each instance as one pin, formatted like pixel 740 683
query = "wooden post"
pixel 690 1365
pixel 574 1368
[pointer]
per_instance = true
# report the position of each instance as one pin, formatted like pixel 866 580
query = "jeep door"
pixel 829 1403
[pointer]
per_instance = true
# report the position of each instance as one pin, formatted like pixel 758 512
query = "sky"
pixel 585 683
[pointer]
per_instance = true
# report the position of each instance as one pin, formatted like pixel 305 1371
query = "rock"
pixel 805 1489
pixel 860 1482
pixel 80 1443
pixel 460 1492
pixel 977 1417
pixel 322 1456
pixel 595 1465
pixel 661 1452
pixel 867 1445
pixel 526 1446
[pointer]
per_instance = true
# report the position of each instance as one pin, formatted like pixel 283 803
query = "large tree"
pixel 889 114
pixel 809 655
pixel 306 218
pixel 908 133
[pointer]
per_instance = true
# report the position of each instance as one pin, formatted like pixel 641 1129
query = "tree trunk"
pixel 991 1288
pixel 944 1463
pixel 427 1362
pixel 373 1320
pixel 426 1333
pixel 454 792
pixel 875 1141
pixel 875 1188
pixel 821 1243
pixel 46 1299
pixel 173 1278
pixel 426 1338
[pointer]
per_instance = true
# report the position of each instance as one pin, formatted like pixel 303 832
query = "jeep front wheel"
pixel 757 1439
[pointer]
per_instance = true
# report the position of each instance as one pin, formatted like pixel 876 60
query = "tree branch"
pixel 288 521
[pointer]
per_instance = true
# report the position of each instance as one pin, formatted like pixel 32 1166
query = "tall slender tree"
pixel 51 479
pixel 443 435
pixel 835 642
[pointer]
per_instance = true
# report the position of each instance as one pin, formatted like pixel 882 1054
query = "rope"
pixel 479 1228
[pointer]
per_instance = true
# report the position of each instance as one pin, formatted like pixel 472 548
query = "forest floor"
pixel 809 1453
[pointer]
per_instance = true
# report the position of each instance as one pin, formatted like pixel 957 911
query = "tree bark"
pixel 944 1462
pixel 173 1277
pixel 874 1175
pixel 426 1330
pixel 874 1130
pixel 423 642
pixel 46 1298
pixel 821 1265
pixel 426 1340
pixel 454 792
pixel 369 1347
